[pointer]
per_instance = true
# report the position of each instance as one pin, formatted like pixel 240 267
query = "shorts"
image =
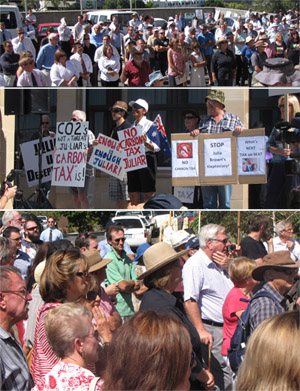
pixel 76 190
pixel 118 190
pixel 143 180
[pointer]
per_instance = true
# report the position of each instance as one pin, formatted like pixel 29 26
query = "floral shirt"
pixel 68 377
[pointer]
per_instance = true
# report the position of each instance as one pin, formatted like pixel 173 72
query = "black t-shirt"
pixel 114 132
pixel 252 248
pixel 162 56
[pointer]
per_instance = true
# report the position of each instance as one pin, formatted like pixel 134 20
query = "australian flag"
pixel 157 134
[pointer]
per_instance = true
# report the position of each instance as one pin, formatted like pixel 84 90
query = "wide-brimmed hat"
pixel 264 36
pixel 140 102
pixel 95 261
pixel 260 43
pixel 154 76
pixel 278 259
pixel 249 39
pixel 140 251
pixel 277 70
pixel 179 238
pixel 158 256
pixel 216 95
pixel 119 104
pixel 222 40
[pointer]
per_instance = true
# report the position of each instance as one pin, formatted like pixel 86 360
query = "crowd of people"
pixel 68 312
pixel 141 54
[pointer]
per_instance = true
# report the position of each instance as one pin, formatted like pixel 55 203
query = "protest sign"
pixel 107 158
pixel 71 154
pixel 185 193
pixel 30 154
pixel 185 160
pixel 217 157
pixel 132 147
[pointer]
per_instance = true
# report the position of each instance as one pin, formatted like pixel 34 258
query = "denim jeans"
pixel 210 196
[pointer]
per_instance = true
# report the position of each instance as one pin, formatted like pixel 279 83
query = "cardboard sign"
pixel 132 147
pixel 185 193
pixel 107 157
pixel 217 157
pixel 71 154
pixel 30 154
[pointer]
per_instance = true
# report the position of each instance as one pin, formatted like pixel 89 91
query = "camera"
pixel 231 247
pixel 8 182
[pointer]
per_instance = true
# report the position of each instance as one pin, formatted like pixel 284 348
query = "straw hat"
pixel 260 43
pixel 222 40
pixel 158 256
pixel 249 39
pixel 119 104
pixel 277 260
pixel 95 261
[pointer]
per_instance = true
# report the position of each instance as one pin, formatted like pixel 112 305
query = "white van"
pixel 104 15
pixel 11 16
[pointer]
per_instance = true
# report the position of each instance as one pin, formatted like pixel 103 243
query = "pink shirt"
pixel 232 304
pixel 178 62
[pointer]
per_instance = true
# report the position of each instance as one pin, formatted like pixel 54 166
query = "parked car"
pixel 145 213
pixel 11 16
pixel 43 28
pixel 160 23
pixel 135 229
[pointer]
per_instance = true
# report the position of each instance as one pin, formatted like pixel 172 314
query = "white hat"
pixel 179 238
pixel 140 102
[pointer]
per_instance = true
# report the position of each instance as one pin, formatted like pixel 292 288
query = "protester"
pixel 284 241
pixel 45 58
pixel 63 72
pixel 64 37
pixel 90 49
pixel 109 66
pixel 223 64
pixel 176 64
pixel 30 76
pixel 198 66
pixel 83 64
pixel 161 46
pixel 22 43
pixel 51 233
pixel 31 241
pixel 9 62
pixel 9 194
pixel 5 35
pixel 135 73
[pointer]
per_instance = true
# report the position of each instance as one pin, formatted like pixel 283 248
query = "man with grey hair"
pixel 284 241
pixel 12 218
pixel 80 194
pixel 206 284
pixel 45 58
pixel 6 252
pixel 14 298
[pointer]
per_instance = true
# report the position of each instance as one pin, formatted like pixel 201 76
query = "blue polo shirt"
pixel 45 58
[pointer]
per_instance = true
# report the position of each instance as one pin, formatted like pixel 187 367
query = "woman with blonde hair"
pixel 279 184
pixel 176 63
pixel 63 72
pixel 272 356
pixel 151 351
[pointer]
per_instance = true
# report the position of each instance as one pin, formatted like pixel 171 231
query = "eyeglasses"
pixel 51 221
pixel 62 55
pixel 116 110
pixel 224 241
pixel 189 117
pixel 87 38
pixel 9 46
pixel 29 63
pixel 21 32
pixel 90 296
pixel 119 240
pixel 45 123
pixel 23 293
pixel 94 335
pixel 82 274
pixel 282 106
pixel 137 107
pixel 32 228
pixel 17 239
pixel 287 271
pixel 74 119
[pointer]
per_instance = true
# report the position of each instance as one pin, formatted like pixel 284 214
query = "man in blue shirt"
pixel 96 38
pixel 45 58
pixel 207 41
pixel 51 233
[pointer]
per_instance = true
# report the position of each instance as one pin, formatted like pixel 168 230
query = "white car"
pixel 135 229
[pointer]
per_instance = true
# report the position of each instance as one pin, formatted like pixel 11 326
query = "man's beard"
pixel 34 237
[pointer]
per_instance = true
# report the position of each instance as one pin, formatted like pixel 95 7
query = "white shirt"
pixel 280 246
pixel 25 79
pixel 18 46
pixel 146 124
pixel 99 52
pixel 59 73
pixel 64 33
pixel 75 58
pixel 207 283
pixel 105 64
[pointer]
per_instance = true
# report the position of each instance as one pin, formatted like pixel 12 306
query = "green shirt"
pixel 119 269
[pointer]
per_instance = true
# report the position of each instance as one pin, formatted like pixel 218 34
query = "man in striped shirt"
pixel 14 298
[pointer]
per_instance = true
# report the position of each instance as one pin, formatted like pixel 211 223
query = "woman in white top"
pixel 109 66
pixel 198 64
pixel 63 72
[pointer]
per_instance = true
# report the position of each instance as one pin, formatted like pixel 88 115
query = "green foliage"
pixel 214 3
pixel 149 4
pixel 275 6
pixel 34 4
pixel 230 221
pixel 240 6
pixel 86 221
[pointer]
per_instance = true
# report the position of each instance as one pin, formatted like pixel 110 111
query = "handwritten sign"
pixel 251 155
pixel 185 159
pixel 30 154
pixel 132 148
pixel 185 193
pixel 217 157
pixel 107 157
pixel 70 156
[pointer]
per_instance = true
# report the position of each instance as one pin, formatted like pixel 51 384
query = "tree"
pixel 86 221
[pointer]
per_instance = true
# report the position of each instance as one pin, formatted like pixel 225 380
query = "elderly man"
pixel 136 71
pixel 7 253
pixel 21 260
pixel 97 35
pixel 12 218
pixel 284 241
pixel 278 271
pixel 9 62
pixel 14 298
pixel 121 271
pixel 206 284
pixel 22 43
pixel 218 121
pixel 51 233
pixel 45 58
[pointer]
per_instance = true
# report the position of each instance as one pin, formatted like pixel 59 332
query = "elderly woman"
pixel 64 279
pixel 223 64
pixel 150 351
pixel 73 338
pixel 162 276
pixel 109 66
pixel 240 273
pixel 176 63
pixel 63 72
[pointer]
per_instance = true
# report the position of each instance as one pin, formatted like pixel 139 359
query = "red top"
pixel 232 304
pixel 137 76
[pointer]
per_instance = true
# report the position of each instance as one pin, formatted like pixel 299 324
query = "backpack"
pixel 237 350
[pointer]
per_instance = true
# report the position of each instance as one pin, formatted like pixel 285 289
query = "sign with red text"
pixel 71 154
pixel 132 147
pixel 30 155
pixel 107 157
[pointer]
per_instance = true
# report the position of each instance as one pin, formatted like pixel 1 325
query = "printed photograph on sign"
pixel 251 155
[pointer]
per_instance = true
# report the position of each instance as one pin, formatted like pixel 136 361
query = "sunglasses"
pixel 75 119
pixel 62 55
pixel 32 228
pixel 287 271
pixel 45 123
pixel 17 239
pixel 119 240
pixel 224 241
pixel 189 117
pixel 22 32
pixel 86 39
pixel 29 63
pixel 82 274
pixel 116 110
pixel 90 296
pixel 137 107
